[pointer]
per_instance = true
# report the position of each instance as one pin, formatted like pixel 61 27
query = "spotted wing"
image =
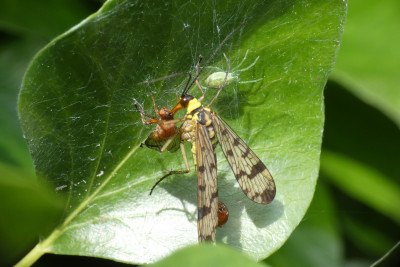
pixel 252 175
pixel 207 220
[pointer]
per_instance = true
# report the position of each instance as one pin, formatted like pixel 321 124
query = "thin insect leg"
pixel 213 68
pixel 168 77
pixel 250 66
pixel 222 85
pixel 168 142
pixel 197 79
pixel 177 97
pixel 201 89
pixel 154 102
pixel 252 81
pixel 182 146
pixel 139 108
pixel 226 58
pixel 174 121
pixel 243 60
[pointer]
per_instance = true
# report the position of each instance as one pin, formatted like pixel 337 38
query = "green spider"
pixel 215 79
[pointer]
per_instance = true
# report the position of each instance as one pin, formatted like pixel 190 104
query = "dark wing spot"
pixel 257 168
pixel 236 142
pixel 229 153
pixel 241 174
pixel 212 166
pixel 268 195
pixel 201 169
pixel 245 154
pixel 203 211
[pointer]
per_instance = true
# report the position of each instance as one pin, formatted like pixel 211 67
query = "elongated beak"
pixel 177 107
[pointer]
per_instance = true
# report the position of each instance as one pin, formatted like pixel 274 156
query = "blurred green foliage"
pixel 25 27
pixel 34 208
pixel 353 218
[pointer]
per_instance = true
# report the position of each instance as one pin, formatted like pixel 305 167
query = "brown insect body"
pixel 162 132
pixel 223 214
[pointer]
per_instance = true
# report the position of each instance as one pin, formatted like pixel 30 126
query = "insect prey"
pixel 163 132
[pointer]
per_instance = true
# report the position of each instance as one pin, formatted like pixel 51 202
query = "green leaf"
pixel 369 58
pixel 362 182
pixel 207 255
pixel 77 113
pixel 26 209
